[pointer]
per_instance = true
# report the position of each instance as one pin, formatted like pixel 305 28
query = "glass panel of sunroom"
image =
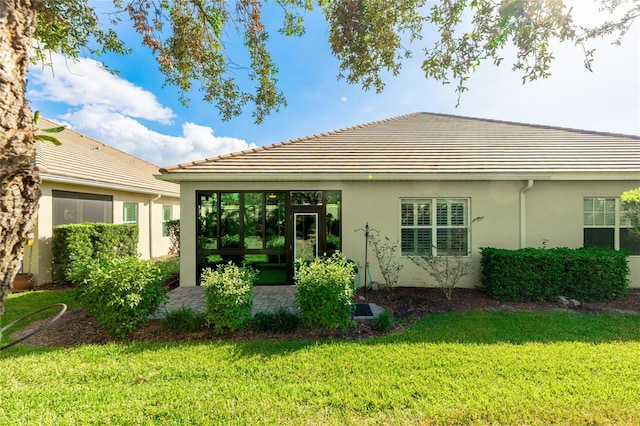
pixel 230 227
pixel 333 221
pixel 207 221
pixel 253 224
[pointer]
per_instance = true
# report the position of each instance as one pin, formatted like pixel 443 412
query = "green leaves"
pixel 527 275
pixel 40 137
pixel 191 40
pixel 121 292
pixel 631 205
pixel 367 37
pixel 228 296
pixel 324 292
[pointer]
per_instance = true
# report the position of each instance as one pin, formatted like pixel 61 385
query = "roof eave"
pixel 47 177
pixel 333 177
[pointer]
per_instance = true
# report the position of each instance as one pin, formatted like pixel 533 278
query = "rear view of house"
pixel 84 180
pixel 423 180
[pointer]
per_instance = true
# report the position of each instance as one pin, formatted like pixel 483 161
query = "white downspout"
pixel 156 198
pixel 523 213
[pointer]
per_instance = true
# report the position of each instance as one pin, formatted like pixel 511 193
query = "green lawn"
pixel 466 368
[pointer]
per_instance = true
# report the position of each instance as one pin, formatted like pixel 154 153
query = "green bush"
pixel 280 321
pixel 228 296
pixel 70 245
pixel 184 318
pixel 114 240
pixel 383 322
pixel 120 292
pixel 324 292
pixel 78 243
pixel 586 274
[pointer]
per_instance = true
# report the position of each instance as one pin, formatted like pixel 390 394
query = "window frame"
pixel 620 222
pixel 125 215
pixel 434 222
pixel 78 204
pixel 165 208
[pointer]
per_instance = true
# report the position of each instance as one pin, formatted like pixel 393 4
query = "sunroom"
pixel 267 230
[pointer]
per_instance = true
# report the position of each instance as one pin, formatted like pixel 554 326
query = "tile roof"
pixel 432 144
pixel 83 160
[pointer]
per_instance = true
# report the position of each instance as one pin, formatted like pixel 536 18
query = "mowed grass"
pixel 464 368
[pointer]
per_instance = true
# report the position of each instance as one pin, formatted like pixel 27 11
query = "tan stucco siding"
pixel 553 216
pixel 555 213
pixel 378 203
pixel 150 243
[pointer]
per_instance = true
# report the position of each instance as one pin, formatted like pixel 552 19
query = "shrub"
pixel 184 318
pixel 445 270
pixel 70 245
pixel 386 251
pixel 383 322
pixel 78 243
pixel 120 292
pixel 324 292
pixel 173 229
pixel 280 321
pixel 586 274
pixel 228 296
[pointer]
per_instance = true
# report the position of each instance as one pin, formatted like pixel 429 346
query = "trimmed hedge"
pixel 78 243
pixel 534 274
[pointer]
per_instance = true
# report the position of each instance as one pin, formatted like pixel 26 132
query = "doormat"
pixel 362 310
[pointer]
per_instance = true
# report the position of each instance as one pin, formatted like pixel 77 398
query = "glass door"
pixel 305 246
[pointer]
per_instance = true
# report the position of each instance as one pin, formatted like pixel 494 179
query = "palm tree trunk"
pixel 19 182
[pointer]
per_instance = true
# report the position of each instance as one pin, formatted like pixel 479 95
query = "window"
pixel 166 217
pixel 78 207
pixel 438 226
pixel 130 213
pixel 605 225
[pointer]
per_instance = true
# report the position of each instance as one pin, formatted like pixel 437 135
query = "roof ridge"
pixel 539 126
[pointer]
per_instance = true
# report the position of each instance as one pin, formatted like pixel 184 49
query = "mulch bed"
pixel 407 304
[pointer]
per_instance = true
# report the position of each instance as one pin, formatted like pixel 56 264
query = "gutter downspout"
pixel 523 212
pixel 151 239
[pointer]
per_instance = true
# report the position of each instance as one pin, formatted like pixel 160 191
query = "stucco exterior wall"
pixel 553 216
pixel 151 243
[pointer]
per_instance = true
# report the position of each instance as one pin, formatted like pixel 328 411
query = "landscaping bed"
pixel 407 304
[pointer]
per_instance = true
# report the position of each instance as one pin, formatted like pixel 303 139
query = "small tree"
pixel 445 270
pixel 385 251
pixel 631 205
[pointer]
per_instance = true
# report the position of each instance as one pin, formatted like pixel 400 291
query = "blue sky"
pixel 137 114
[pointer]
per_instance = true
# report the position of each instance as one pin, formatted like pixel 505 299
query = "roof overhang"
pixel 383 177
pixel 46 177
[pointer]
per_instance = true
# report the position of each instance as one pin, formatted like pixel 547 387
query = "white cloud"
pixel 85 81
pixel 122 132
pixel 344 99
pixel 107 108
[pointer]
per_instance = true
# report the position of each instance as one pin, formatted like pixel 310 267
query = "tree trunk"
pixel 19 183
